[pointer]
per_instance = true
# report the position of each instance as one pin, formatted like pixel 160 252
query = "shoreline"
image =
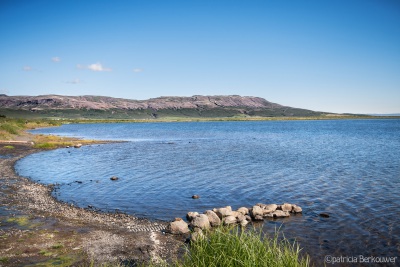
pixel 106 237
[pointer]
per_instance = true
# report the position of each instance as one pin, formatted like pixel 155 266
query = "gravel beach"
pixel 36 228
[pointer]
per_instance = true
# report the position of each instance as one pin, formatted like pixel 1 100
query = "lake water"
pixel 349 169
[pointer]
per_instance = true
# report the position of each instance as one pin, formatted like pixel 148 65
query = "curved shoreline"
pixel 35 200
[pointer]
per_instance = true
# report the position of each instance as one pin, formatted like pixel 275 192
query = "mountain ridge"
pixel 106 102
pixel 164 106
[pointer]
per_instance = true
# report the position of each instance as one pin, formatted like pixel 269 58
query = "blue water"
pixel 349 169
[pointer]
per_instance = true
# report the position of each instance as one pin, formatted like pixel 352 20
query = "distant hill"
pixel 102 107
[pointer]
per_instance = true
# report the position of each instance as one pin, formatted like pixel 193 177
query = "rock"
pixel 201 221
pixel 286 207
pixel 243 210
pixel 270 208
pixel 324 215
pixel 228 220
pixel 196 236
pixel 223 212
pixel 244 223
pixel 213 218
pixel 258 218
pixel 296 209
pixel 178 227
pixel 248 218
pixel 240 218
pixel 256 211
pixel 235 214
pixel 77 145
pixel 278 214
pixel 195 196
pixel 67 147
pixel 190 215
pixel 114 178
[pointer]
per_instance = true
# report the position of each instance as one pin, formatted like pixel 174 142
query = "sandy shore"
pixel 36 228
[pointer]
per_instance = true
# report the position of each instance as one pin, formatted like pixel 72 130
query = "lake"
pixel 349 169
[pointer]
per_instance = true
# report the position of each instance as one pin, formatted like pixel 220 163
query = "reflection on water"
pixel 348 169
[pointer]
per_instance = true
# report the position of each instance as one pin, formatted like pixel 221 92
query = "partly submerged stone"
pixel 243 210
pixel 278 214
pixel 228 220
pixel 223 212
pixel 256 211
pixel 296 209
pixel 270 208
pixel 286 207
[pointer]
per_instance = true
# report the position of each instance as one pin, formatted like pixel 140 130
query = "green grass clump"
pixel 20 220
pixel 11 128
pixel 57 246
pixel 223 247
pixel 4 259
pixel 45 145
pixel 9 147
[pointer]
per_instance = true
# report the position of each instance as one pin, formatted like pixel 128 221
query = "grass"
pixel 11 128
pixel 20 220
pixel 9 147
pixel 226 247
pixel 232 247
pixel 57 246
pixel 4 259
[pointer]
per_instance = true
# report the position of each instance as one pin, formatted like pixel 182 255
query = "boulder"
pixel 195 196
pixel 258 218
pixel 114 178
pixel 201 221
pixel 235 214
pixel 190 215
pixel 270 208
pixel 243 210
pixel 196 236
pixel 278 214
pixel 296 209
pixel 241 218
pixel 256 211
pixel 213 218
pixel 286 207
pixel 178 227
pixel 223 212
pixel 228 220
pixel 244 223
pixel 77 145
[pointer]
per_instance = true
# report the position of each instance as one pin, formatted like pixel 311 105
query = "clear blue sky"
pixel 336 56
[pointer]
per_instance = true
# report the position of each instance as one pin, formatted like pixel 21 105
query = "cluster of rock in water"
pixel 226 216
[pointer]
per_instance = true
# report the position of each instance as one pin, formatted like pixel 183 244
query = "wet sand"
pixel 36 228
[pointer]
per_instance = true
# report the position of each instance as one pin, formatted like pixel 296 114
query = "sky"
pixel 334 55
